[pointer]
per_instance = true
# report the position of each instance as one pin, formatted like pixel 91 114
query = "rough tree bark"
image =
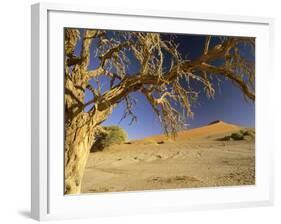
pixel 158 84
pixel 79 138
pixel 80 126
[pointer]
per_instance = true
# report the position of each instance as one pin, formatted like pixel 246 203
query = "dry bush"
pixel 110 135
pixel 244 134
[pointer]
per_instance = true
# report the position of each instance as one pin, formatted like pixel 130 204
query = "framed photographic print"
pixel 148 111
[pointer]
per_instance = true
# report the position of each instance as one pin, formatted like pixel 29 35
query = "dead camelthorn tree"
pixel 164 84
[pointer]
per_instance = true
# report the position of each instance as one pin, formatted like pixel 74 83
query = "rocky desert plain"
pixel 201 157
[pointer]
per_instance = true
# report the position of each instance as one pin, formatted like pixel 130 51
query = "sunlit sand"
pixel 196 158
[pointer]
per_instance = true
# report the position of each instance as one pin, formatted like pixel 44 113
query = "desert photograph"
pixel 154 111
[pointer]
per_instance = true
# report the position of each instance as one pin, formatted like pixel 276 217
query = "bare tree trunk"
pixel 79 137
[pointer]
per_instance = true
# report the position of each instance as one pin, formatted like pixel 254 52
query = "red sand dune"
pixel 214 128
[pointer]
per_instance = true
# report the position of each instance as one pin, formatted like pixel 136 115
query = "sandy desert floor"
pixel 195 159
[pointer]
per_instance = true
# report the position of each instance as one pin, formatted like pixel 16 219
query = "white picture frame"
pixel 48 201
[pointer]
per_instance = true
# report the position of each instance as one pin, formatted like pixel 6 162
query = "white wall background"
pixel 15 111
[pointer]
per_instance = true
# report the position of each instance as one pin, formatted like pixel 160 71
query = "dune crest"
pixel 216 122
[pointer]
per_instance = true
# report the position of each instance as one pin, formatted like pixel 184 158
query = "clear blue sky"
pixel 228 105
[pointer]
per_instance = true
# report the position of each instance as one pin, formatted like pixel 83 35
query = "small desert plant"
pixel 237 136
pixel 245 134
pixel 116 135
pixel 226 138
pixel 249 132
pixel 110 135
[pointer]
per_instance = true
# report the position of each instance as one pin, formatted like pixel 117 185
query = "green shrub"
pixel 237 136
pixel 249 132
pixel 245 134
pixel 226 138
pixel 109 136
pixel 116 135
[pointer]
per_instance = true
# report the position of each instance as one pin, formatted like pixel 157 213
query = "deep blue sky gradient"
pixel 228 105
